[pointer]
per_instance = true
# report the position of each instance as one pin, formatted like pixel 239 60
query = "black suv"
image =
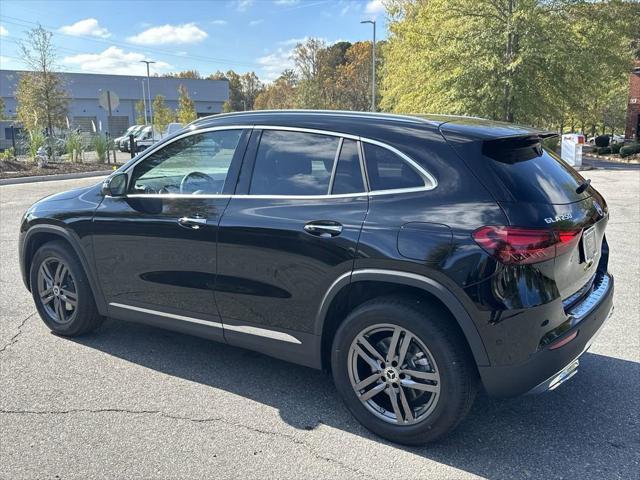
pixel 415 257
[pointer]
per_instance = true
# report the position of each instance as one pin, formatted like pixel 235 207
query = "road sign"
pixel 107 97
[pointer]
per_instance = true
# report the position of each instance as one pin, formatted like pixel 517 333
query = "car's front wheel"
pixel 403 369
pixel 61 291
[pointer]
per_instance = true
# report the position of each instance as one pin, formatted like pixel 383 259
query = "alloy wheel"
pixel 57 290
pixel 393 374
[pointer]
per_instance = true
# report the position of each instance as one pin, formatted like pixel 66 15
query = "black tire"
pixel 434 327
pixel 85 317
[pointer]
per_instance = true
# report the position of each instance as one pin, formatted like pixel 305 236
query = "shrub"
pixel 74 146
pixel 615 148
pixel 602 141
pixel 34 141
pixel 630 149
pixel 101 145
pixel 551 143
pixel 8 154
pixel 604 150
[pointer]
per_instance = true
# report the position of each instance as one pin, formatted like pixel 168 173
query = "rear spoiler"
pixel 515 149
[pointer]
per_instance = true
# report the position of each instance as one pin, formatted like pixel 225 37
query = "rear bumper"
pixel 547 369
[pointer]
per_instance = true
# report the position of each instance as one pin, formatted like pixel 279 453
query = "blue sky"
pixel 243 35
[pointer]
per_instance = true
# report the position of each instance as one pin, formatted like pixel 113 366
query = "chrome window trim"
pixel 334 167
pixel 363 167
pixel 430 181
pixel 257 331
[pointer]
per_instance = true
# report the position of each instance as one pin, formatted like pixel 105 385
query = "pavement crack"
pixel 14 339
pixel 288 437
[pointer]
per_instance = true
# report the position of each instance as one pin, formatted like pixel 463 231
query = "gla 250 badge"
pixel 557 218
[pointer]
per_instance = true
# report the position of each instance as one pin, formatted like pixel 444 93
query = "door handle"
pixel 192 222
pixel 323 228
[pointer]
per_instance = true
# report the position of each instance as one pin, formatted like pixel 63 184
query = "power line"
pixel 212 60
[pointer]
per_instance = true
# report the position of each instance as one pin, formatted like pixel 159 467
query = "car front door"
pixel 155 248
pixel 289 232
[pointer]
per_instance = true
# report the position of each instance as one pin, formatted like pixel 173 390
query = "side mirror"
pixel 115 185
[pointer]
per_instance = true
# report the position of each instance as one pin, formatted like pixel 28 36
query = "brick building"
pixel 633 104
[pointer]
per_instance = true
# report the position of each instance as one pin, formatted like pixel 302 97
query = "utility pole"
pixel 373 65
pixel 149 94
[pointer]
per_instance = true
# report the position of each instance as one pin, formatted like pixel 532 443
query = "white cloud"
pixel 3 31
pixel 7 63
pixel 170 34
pixel 113 60
pixel 374 7
pixel 286 2
pixel 218 22
pixel 88 26
pixel 253 23
pixel 292 42
pixel 274 63
pixel 243 5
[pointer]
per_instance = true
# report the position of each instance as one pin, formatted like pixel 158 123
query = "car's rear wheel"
pixel 61 291
pixel 403 369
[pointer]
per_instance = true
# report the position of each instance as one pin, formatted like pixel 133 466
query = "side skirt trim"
pixel 260 332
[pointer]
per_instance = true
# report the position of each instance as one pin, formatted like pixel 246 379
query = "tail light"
pixel 521 246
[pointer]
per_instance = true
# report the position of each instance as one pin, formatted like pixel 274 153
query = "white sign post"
pixel 571 149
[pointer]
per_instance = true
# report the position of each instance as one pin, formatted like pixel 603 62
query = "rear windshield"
pixel 531 173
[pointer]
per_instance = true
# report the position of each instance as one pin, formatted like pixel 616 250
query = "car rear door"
pixel 155 248
pixel 290 231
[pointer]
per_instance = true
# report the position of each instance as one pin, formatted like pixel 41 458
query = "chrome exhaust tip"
pixel 568 372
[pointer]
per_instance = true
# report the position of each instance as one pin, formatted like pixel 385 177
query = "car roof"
pixel 362 123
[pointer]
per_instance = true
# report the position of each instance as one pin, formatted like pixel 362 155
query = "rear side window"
pixel 532 174
pixel 387 171
pixel 348 176
pixel 293 163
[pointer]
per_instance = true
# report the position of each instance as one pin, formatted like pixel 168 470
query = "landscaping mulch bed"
pixel 18 169
pixel 635 158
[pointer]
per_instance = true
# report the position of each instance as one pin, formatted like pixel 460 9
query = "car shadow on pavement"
pixel 588 428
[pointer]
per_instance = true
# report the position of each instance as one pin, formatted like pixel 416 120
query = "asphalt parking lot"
pixel 133 402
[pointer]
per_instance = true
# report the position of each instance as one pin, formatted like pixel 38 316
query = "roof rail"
pixel 345 113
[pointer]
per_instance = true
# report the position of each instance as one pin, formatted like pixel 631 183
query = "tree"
pixel 41 97
pixel 353 78
pixel 234 104
pixel 140 113
pixel 516 60
pixel 162 115
pixel 330 60
pixel 251 86
pixel 219 75
pixel 186 107
pixel 307 57
pixel 281 94
pixel 2 115
pixel 193 74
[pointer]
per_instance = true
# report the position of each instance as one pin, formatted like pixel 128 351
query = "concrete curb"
pixel 49 178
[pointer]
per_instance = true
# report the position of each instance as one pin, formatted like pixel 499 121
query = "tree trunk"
pixel 509 54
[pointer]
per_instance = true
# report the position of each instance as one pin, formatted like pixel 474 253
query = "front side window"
pixel 387 171
pixel 293 163
pixel 196 164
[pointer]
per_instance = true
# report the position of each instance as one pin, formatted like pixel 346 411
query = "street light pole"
pixel 373 65
pixel 144 102
pixel 149 94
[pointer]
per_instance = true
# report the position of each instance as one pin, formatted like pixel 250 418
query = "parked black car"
pixel 416 258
